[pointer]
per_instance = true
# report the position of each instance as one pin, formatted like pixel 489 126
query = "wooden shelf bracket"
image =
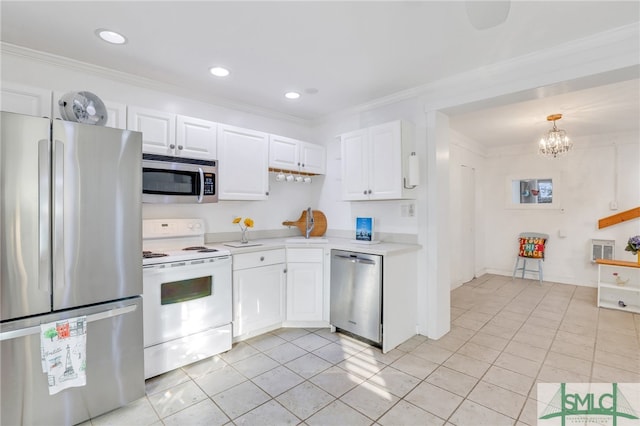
pixel 619 218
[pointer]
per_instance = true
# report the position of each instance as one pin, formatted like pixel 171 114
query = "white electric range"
pixel 187 302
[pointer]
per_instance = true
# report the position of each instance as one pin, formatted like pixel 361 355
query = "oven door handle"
pixel 201 196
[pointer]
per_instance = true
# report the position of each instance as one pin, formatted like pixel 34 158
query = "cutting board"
pixel 319 219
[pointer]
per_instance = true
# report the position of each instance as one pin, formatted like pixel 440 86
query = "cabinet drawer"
pixel 305 255
pixel 258 258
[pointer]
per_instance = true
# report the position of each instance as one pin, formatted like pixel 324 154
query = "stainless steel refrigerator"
pixel 70 246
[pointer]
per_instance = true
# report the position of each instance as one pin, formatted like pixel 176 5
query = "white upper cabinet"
pixel 294 155
pixel 158 130
pixel 175 135
pixel 116 112
pixel 26 100
pixel 197 138
pixel 243 164
pixel 373 162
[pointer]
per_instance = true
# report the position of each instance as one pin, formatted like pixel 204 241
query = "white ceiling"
pixel 350 52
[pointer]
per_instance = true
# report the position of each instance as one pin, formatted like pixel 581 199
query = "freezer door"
pixel 97 219
pixel 25 274
pixel 356 293
pixel 115 367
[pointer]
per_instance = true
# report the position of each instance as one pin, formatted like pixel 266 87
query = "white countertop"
pixel 382 248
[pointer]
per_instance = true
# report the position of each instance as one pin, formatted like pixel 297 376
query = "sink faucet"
pixel 310 222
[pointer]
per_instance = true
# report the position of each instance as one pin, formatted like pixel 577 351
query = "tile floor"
pixel 506 336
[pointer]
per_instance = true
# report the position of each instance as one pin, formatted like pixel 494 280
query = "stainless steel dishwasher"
pixel 356 294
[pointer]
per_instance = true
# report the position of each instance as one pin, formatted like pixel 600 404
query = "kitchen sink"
pixel 310 240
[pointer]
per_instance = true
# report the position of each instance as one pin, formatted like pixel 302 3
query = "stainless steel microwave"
pixel 178 180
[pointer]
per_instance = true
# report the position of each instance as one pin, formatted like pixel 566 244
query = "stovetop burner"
pixel 200 249
pixel 195 248
pixel 150 255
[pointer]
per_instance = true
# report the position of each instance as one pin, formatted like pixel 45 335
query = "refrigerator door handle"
pixel 44 226
pixel 14 334
pixel 201 196
pixel 58 214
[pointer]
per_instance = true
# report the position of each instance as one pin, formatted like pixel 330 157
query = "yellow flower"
pixel 237 219
pixel 248 222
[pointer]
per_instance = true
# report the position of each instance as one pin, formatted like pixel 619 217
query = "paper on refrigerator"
pixel 63 344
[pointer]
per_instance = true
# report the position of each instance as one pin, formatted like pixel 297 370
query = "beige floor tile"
pixel 277 380
pixel 471 413
pixel 550 374
pixel 165 381
pixel 433 399
pixel 177 398
pixel 529 414
pixel 479 352
pixel 467 365
pixel 220 380
pixel 310 342
pixel 255 365
pixel 448 342
pixel 572 349
pixel 526 350
pixel 290 334
pixel 461 333
pixel 238 352
pixel 370 399
pixel 206 366
pixel 204 413
pixel 509 380
pixel 432 352
pixel 285 353
pixel 362 365
pixel 624 362
pixel 386 358
pixel 305 400
pixel 569 363
pixel 518 364
pixel 335 353
pixel 404 413
pixel 240 399
pixel 338 414
pixel 608 373
pixel 395 381
pixel 498 399
pixel 266 341
pixel 139 412
pixel 411 344
pixel 336 381
pixel 270 413
pixel 542 342
pixel 576 339
pixel 488 336
pixel 308 365
pixel 452 380
pixel 414 366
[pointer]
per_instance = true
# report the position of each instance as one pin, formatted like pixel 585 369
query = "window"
pixel 532 192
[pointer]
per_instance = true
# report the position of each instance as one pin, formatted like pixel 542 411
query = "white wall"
pixel 590 176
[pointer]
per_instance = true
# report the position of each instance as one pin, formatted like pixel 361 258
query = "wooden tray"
pixel 319 219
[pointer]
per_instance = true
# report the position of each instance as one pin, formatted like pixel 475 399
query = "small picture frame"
pixel 365 231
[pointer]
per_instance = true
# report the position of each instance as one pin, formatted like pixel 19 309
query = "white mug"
pixel 307 179
pixel 280 177
pixel 290 178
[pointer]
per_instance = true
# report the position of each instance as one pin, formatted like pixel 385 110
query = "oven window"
pixel 169 182
pixel 185 290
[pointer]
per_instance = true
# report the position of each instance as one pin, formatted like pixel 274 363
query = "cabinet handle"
pixel 180 147
pixel 172 146
pixel 284 270
pixel 365 192
pixel 369 191
pixel 303 165
pixel 261 258
pixel 266 193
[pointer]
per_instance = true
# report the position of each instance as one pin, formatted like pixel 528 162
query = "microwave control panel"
pixel 209 184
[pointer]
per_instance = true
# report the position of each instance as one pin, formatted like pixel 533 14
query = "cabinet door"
pixel 26 100
pixel 385 164
pixel 196 138
pixel 284 153
pixel 304 291
pixel 312 158
pixel 243 169
pixel 355 169
pixel 158 130
pixel 257 298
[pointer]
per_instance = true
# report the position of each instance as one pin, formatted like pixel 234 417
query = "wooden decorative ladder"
pixel 619 218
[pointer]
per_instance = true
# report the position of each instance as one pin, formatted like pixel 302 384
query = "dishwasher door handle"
pixel 355 259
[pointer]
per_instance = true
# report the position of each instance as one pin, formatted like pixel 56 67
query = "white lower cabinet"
pixel 258 292
pixel 305 285
pixel 619 285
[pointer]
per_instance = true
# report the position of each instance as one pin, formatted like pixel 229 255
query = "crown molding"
pixel 142 82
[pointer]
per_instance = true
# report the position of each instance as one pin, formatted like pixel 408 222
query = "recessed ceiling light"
pixel 219 71
pixel 292 95
pixel 111 36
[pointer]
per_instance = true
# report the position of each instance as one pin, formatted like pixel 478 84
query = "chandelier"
pixel 555 142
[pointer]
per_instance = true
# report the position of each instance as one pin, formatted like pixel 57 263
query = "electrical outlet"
pixel 412 210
